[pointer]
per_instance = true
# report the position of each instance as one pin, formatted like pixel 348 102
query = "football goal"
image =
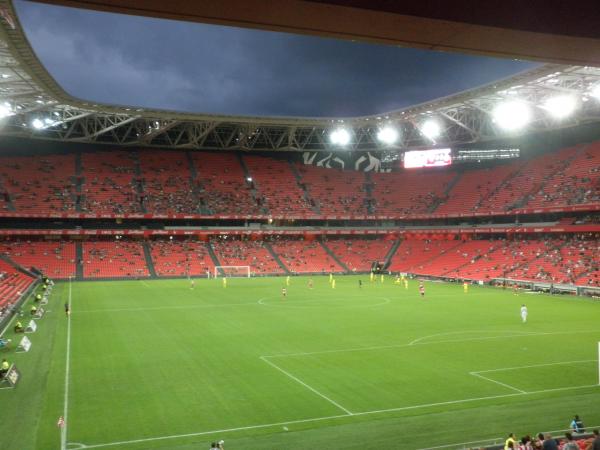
pixel 232 271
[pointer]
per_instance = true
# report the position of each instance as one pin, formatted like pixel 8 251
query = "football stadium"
pixel 421 278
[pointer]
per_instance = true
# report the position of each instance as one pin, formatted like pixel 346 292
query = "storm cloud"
pixel 139 61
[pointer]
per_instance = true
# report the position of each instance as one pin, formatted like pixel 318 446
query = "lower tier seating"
pixel 173 257
pixel 117 258
pixel 56 259
pixel 13 284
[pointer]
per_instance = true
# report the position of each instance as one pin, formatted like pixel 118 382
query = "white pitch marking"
pixel 310 388
pixel 144 283
pixel 536 365
pixel 63 434
pixel 416 341
pixel 339 416
pixel 160 308
pixel 476 374
pixel 381 347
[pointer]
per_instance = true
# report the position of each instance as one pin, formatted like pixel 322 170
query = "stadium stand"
pixel 167 183
pixel 305 256
pixel 576 183
pixel 409 192
pixel 275 182
pixel 358 254
pixel 40 184
pixel 12 284
pixel 412 254
pixel 528 180
pixel 109 183
pixel 56 259
pixel 335 191
pixel 236 252
pixel 222 183
pixel 174 257
pixel 110 258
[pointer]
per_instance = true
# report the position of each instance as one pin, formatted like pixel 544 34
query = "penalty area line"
pixel 339 416
pixel 310 388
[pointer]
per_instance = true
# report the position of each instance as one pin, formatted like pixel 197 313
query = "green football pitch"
pixel 158 365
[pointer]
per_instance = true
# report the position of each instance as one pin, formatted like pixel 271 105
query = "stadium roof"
pixel 35 106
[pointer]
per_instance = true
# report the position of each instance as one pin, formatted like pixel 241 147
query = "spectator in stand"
pixel 510 441
pixel 595 443
pixel 549 443
pixel 570 444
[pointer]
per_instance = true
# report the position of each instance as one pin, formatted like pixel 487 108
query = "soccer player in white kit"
pixel 524 313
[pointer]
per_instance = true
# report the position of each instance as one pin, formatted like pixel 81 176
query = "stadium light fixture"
pixel 387 135
pixel 5 110
pixel 512 115
pixel 340 136
pixel 431 129
pixel 560 106
pixel 249 179
pixel 37 124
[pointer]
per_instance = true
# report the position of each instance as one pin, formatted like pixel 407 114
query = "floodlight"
pixel 431 129
pixel 560 106
pixel 596 91
pixel 512 115
pixel 249 179
pixel 5 110
pixel 340 136
pixel 388 135
pixel 37 124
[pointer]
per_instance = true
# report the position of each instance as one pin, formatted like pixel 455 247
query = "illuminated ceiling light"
pixel 5 110
pixel 431 129
pixel 595 92
pixel 560 106
pixel 37 124
pixel 340 136
pixel 387 135
pixel 512 115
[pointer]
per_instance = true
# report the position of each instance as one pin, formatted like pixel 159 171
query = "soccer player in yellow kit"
pixel 287 280
pixel 465 287
pixel 333 283
pixel 224 282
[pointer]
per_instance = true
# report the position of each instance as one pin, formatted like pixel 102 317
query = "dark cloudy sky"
pixel 203 68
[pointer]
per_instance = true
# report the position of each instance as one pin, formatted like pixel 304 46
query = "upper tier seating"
pixel 358 254
pixel 167 183
pixel 117 258
pixel 527 180
pixel 13 284
pixel 224 189
pixel 301 256
pixel 335 191
pixel 276 184
pixel 235 252
pixel 473 187
pixel 180 257
pixel 109 183
pixel 56 259
pixel 408 192
pixel 38 184
pixel 577 183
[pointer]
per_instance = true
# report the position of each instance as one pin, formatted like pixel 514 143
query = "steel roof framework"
pixel 29 92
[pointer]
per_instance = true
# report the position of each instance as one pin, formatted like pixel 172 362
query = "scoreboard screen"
pixel 427 158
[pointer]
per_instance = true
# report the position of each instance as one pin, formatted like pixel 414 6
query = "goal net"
pixel 232 271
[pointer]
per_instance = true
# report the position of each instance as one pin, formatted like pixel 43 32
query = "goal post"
pixel 232 271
